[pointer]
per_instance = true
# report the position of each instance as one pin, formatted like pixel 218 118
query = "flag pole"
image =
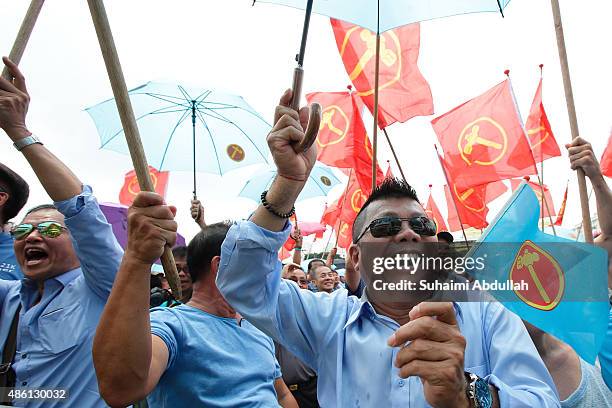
pixel 23 35
pixel 452 197
pixel 128 121
pixel 376 71
pixel 394 155
pixel 342 208
pixel 571 111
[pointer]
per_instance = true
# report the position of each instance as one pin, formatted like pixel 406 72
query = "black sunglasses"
pixel 390 226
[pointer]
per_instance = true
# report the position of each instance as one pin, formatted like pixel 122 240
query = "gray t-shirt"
pixel 592 391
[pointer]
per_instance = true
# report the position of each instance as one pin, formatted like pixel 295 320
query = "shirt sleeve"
pixel 526 381
pixel 249 278
pixel 277 369
pixel 94 242
pixel 166 326
pixel 605 355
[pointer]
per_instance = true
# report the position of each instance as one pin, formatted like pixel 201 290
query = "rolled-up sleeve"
pixel 513 357
pixel 93 239
pixel 249 278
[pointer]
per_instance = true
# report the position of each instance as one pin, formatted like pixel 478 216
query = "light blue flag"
pixel 559 286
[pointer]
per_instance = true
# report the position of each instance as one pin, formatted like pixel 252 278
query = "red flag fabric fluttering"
pixel 403 91
pixel 471 205
pixel 433 213
pixel 539 132
pixel 131 187
pixel 483 140
pixel 343 141
pixel 544 207
pixel 606 159
pixel 559 220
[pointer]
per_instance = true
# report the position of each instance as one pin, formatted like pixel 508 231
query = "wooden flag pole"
pixel 394 155
pixel 571 111
pixel 23 35
pixel 128 121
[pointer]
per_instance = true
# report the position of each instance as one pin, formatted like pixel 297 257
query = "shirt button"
pixel 24 383
pixel 24 355
pixel 401 383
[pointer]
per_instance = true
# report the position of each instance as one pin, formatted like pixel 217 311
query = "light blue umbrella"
pixel 220 132
pixel 320 182
pixel 383 15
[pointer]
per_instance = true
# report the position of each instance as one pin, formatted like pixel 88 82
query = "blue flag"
pixel 558 285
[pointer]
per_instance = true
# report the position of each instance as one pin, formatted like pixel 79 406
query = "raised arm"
pixel 57 179
pixel 581 156
pixel 128 359
pixel 249 273
pixel 297 251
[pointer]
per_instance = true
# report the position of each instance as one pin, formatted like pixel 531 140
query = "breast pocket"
pixel 60 329
pixel 479 370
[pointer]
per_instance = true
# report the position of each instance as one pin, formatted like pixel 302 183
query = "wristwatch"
pixel 26 141
pixel 478 391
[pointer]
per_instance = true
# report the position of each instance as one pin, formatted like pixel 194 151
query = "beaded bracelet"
pixel 271 210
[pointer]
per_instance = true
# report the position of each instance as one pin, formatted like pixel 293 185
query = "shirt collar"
pixel 365 309
pixel 65 278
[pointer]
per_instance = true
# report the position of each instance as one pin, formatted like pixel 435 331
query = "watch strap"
pixel 26 141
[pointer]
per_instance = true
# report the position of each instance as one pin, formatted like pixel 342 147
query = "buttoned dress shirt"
pixel 55 336
pixel 345 340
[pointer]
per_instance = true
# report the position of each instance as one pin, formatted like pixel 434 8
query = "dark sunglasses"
pixel 48 229
pixel 391 226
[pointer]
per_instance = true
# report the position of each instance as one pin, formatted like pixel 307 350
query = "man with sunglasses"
pixel 371 351
pixel 14 192
pixel 69 257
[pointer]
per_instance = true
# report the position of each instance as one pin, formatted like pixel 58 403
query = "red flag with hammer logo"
pixel 539 132
pixel 342 140
pixel 131 187
pixel 483 140
pixel 403 91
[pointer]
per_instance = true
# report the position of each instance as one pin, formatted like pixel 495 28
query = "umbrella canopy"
pixel 222 131
pixel 393 13
pixel 116 216
pixel 320 182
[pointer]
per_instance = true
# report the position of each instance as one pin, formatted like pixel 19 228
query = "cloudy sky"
pixel 250 51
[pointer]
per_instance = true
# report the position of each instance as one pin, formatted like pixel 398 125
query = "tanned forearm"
pixel 282 196
pixel 122 344
pixel 57 179
pixel 603 197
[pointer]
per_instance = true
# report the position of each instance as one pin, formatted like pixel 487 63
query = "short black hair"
pixel 313 261
pixel 17 189
pixel 313 272
pixel 179 251
pixel 391 187
pixel 446 236
pixel 204 247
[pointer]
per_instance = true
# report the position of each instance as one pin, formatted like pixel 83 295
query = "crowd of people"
pixel 80 314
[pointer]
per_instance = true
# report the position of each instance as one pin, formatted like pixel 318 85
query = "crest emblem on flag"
pixel 337 123
pixel 487 136
pixel 543 275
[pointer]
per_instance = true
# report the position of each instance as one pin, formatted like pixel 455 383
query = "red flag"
pixel 283 253
pixel 388 174
pixel 483 139
pixel 355 198
pixel 432 211
pixel 544 207
pixel 606 159
pixel 403 91
pixel 471 204
pixel 131 187
pixel 559 220
pixel 539 132
pixel 343 141
pixel 331 214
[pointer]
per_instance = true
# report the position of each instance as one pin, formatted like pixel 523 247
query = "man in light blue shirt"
pixel 374 353
pixel 198 354
pixel 69 257
pixel 14 192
